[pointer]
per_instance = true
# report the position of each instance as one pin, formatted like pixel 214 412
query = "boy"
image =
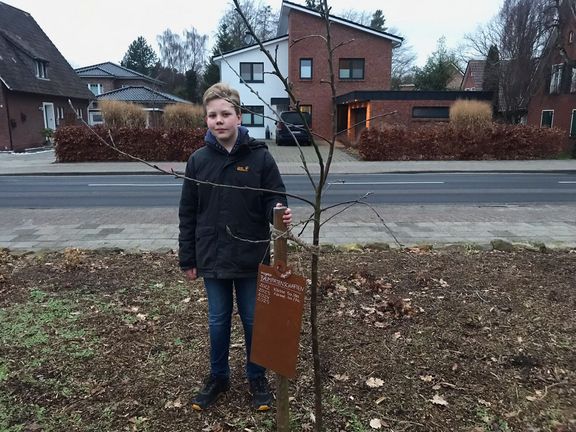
pixel 224 234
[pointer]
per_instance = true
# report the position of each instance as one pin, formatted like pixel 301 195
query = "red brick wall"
pixel 119 83
pixel 562 104
pixel 404 111
pixel 27 119
pixel 375 51
pixel 4 123
pixel 109 84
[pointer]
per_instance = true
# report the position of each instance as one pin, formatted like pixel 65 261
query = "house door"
pixel 359 121
pixel 49 120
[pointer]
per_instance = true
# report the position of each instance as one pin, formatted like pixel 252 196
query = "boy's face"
pixel 222 120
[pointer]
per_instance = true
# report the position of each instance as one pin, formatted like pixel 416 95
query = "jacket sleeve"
pixel 271 179
pixel 187 214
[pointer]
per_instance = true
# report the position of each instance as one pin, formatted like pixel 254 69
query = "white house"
pixel 262 92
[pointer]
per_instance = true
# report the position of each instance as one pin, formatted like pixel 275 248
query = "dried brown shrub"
pixel 470 113
pixel 183 115
pixel 119 114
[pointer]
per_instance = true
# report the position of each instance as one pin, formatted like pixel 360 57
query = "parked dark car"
pixel 292 121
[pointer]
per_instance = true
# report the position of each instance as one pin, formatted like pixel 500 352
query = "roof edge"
pixel 395 39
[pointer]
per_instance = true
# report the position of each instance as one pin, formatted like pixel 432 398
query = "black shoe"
pixel 261 396
pixel 214 386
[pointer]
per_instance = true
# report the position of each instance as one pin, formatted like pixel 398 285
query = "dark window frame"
pixel 351 65
pixel 551 123
pixel 251 72
pixel 431 112
pixel 255 112
pixel 556 78
pixel 311 68
pixel 41 69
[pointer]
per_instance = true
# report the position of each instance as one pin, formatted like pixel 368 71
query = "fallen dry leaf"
pixel 342 377
pixel 174 404
pixel 375 423
pixel 374 382
pixel 438 400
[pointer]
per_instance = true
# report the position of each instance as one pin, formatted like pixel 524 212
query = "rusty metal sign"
pixel 278 319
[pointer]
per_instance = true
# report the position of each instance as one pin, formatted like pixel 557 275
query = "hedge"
pixel 447 142
pixel 81 144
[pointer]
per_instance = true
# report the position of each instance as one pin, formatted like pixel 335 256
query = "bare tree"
pixel 183 57
pixel 318 213
pixel 520 32
pixel 261 18
pixel 182 53
pixel 403 63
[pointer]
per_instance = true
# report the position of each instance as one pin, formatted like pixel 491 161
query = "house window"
pixel 547 118
pixel 253 115
pixel 351 69
pixel 556 78
pixel 252 72
pixel 79 113
pixel 570 37
pixel 306 109
pixel 431 112
pixel 95 88
pixel 573 124
pixel 59 115
pixel 41 69
pixel 573 81
pixel 95 117
pixel 306 68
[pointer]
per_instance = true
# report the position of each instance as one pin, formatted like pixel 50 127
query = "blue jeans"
pixel 220 304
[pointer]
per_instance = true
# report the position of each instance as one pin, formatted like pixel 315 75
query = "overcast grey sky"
pixel 88 31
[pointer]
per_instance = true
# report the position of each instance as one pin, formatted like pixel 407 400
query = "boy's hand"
pixel 191 273
pixel 287 216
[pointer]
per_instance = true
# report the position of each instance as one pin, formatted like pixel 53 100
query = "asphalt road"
pixel 82 191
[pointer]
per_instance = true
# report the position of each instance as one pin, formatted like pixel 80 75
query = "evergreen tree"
pixel 224 43
pixel 314 4
pixel 140 57
pixel 438 69
pixel 378 21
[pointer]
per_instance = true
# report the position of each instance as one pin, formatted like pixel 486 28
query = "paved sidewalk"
pixel 288 159
pixel 157 228
pixel 400 225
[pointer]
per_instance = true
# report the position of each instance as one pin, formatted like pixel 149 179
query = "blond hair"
pixel 222 90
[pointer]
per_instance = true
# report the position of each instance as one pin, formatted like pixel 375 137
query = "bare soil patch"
pixel 412 340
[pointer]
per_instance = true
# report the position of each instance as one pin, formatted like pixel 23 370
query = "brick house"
pixel 362 68
pixel 114 82
pixel 152 102
pixel 473 79
pixel 554 105
pixel 104 77
pixel 36 83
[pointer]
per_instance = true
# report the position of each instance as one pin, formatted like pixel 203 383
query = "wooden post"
pixel 281 254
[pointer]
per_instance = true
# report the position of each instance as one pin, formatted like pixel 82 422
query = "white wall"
pixel 271 87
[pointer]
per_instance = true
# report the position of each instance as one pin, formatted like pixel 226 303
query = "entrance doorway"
pixel 49 119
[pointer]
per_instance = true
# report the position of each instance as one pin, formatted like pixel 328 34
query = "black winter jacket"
pixel 214 220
